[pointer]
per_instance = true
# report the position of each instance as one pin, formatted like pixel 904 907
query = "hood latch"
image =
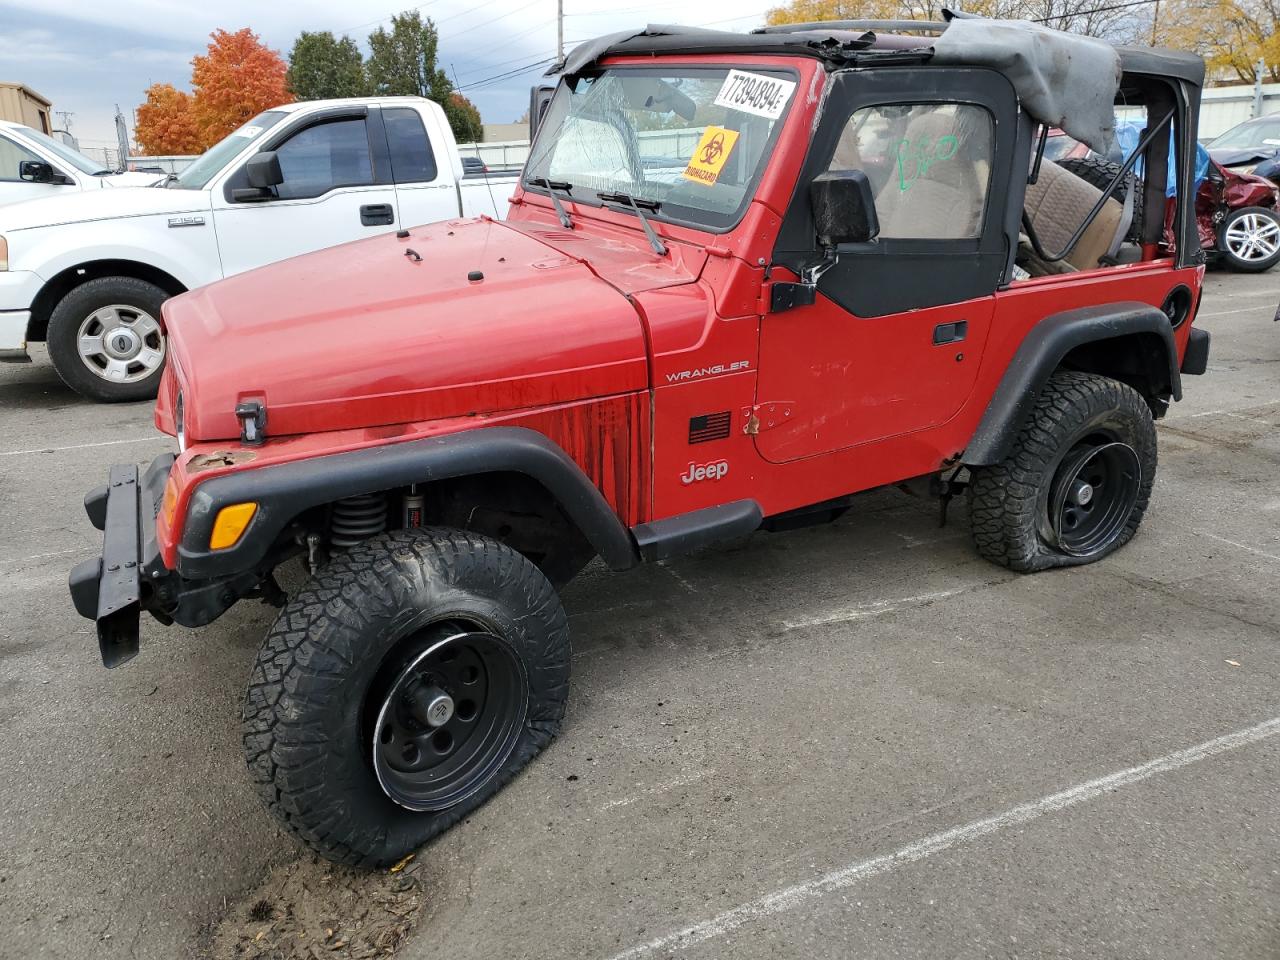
pixel 252 415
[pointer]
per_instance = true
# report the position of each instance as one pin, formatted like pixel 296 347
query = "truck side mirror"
pixel 844 208
pixel 37 171
pixel 264 170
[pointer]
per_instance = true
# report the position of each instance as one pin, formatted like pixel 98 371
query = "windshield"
pixel 198 175
pixel 1263 134
pixel 693 140
pixel 66 153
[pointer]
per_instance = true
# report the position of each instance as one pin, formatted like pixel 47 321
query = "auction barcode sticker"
pixel 755 93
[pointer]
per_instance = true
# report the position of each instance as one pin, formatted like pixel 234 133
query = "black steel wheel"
pixel 403 686
pixel 1094 491
pixel 449 711
pixel 1075 483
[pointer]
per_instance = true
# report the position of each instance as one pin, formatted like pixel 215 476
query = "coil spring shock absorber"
pixel 357 518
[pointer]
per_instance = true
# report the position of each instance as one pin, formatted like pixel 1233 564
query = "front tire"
pixel 1076 484
pixel 402 687
pixel 1249 239
pixel 106 341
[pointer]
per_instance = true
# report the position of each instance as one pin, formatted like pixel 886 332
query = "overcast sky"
pixel 87 57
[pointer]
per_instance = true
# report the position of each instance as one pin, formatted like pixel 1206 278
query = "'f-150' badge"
pixel 186 221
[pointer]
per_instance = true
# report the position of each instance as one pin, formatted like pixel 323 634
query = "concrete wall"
pixel 1221 108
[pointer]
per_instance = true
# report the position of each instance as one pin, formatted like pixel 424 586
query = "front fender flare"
pixel 1043 351
pixel 285 491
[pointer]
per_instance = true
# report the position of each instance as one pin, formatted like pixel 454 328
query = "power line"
pixel 1084 13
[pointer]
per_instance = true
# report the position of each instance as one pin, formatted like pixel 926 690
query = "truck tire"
pixel 1100 172
pixel 106 341
pixel 404 685
pixel 1077 482
pixel 1249 239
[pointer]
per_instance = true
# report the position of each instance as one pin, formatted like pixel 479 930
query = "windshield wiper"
pixel 552 186
pixel 626 200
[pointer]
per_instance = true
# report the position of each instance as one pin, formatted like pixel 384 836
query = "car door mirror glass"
pixel 37 171
pixel 844 208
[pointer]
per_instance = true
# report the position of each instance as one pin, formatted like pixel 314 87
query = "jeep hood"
pixel 81 206
pixel 367 334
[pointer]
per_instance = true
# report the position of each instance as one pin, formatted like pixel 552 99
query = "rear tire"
pixel 106 341
pixel 336 667
pixel 1088 439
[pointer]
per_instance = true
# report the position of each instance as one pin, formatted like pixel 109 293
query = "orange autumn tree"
pixel 235 81
pixel 165 124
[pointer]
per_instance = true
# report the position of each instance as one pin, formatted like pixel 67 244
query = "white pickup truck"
pixel 88 272
pixel 33 166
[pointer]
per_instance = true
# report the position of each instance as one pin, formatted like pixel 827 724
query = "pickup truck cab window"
pixel 320 158
pixel 212 162
pixel 412 160
pixel 11 155
pixel 692 140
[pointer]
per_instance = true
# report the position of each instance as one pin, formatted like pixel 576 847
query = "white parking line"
pixel 1241 546
pixel 81 446
pixel 682 781
pixel 789 898
pixel 876 608
pixel 44 556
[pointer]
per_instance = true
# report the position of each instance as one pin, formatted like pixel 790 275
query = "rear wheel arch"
pixel 65 281
pixel 1130 342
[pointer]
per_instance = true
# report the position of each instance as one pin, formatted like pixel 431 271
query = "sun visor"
pixel 1062 79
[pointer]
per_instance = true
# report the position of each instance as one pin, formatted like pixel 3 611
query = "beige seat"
pixel 1057 204
pixel 945 198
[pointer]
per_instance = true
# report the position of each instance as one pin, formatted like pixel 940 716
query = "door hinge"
pixel 767 415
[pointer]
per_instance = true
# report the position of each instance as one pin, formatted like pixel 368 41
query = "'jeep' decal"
pixel 714 470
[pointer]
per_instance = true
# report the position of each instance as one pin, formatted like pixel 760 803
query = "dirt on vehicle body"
pixel 746 277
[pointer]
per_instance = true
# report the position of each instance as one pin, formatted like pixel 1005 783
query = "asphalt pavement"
pixel 857 740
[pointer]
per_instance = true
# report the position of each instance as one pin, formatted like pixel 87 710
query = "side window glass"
pixel 411 158
pixel 11 154
pixel 320 158
pixel 929 165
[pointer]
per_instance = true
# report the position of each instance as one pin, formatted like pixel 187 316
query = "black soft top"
pixel 838 43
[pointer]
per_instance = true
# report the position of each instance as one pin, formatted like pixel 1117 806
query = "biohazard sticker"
pixel 755 93
pixel 710 155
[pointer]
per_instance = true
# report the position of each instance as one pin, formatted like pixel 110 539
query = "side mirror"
pixel 264 170
pixel 844 208
pixel 37 171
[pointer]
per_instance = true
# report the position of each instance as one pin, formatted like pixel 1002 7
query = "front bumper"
pixel 110 589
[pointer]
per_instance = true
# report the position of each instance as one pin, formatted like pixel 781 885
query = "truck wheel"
pixel 1077 482
pixel 105 339
pixel 1249 239
pixel 403 686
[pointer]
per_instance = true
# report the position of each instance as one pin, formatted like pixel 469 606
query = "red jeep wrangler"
pixel 745 278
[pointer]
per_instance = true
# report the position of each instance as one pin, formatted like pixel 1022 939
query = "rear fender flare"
pixel 284 492
pixel 1146 329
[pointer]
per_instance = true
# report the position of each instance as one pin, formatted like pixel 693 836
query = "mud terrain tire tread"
pixel 1005 500
pixel 303 707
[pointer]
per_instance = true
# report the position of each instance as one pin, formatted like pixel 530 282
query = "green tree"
pixel 402 62
pixel 464 119
pixel 322 67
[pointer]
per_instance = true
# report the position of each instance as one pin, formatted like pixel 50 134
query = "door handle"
pixel 952 332
pixel 377 215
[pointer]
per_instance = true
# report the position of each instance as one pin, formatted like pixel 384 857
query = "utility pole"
pixel 1155 23
pixel 559 31
pixel 66 116
pixel 1259 69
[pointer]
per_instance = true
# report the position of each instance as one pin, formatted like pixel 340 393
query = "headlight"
pixel 4 255
pixel 180 423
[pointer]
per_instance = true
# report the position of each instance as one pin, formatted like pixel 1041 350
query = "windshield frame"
pixel 65 153
pixel 227 160
pixel 661 71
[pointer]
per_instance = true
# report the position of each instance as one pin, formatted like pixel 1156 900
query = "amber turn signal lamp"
pixel 230 524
